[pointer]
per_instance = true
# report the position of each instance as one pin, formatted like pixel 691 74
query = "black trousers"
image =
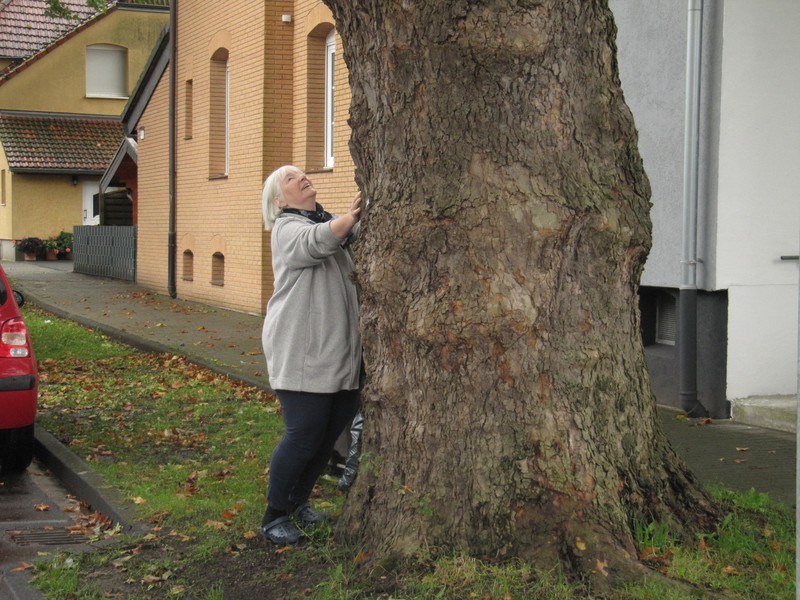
pixel 313 422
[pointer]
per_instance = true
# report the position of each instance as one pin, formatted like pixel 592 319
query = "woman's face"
pixel 297 191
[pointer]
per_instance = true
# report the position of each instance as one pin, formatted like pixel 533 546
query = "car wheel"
pixel 16 448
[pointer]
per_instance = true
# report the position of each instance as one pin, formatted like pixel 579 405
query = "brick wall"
pixel 153 192
pixel 272 120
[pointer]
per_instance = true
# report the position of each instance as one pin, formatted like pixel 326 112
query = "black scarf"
pixel 318 215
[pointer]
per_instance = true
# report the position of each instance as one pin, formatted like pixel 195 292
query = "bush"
pixel 61 243
pixel 30 245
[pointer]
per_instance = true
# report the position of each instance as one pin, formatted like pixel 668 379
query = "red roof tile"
pixel 24 28
pixel 58 142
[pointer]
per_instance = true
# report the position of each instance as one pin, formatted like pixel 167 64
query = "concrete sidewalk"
pixel 735 454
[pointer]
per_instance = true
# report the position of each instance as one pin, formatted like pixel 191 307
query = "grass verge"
pixel 189 449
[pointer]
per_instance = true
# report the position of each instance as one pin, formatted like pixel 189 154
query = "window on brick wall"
pixel 330 60
pixel 188 266
pixel 320 53
pixel 219 98
pixel 218 269
pixel 188 102
pixel 106 71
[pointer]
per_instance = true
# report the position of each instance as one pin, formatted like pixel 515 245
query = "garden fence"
pixel 107 251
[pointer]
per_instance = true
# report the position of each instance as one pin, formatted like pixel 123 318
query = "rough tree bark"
pixel 508 408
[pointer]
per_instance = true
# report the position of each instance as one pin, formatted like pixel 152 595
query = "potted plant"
pixel 51 248
pixel 65 240
pixel 31 247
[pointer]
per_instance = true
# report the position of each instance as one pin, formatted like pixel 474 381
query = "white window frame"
pixel 227 114
pixel 106 71
pixel 330 89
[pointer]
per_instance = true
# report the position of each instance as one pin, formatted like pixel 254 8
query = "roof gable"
pixel 58 143
pixel 25 29
pixel 26 33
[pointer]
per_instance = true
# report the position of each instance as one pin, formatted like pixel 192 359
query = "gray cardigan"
pixel 311 339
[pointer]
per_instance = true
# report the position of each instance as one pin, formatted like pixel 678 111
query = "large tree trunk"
pixel 508 408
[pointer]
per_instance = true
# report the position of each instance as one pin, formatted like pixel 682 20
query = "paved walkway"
pixel 740 456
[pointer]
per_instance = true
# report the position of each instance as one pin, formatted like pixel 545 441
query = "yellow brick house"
pixel 63 85
pixel 254 86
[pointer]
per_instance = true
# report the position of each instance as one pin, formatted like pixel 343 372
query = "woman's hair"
pixel 273 189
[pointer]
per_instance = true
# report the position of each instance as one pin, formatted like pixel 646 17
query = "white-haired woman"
pixel 311 342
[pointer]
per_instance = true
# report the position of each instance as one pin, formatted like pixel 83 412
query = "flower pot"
pixel 29 256
pixel 52 255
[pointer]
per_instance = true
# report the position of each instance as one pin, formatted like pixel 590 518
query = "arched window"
pixel 218 269
pixel 218 114
pixel 188 266
pixel 106 71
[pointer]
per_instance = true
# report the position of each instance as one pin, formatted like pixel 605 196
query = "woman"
pixel 311 343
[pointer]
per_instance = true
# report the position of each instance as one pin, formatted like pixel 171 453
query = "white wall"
pixel 759 193
pixel 651 52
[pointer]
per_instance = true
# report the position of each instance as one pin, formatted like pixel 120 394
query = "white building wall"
pixel 651 54
pixel 759 194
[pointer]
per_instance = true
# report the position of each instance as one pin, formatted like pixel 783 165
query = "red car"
pixel 19 382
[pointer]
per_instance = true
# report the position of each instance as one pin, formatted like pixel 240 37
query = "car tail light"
pixel 14 339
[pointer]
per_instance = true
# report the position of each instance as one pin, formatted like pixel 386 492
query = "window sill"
pixel 217 177
pixel 106 97
pixel 217 282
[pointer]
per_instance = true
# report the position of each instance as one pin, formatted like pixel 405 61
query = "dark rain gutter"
pixel 171 240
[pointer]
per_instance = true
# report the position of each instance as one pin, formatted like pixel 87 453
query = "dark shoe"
pixel 346 480
pixel 308 516
pixel 281 532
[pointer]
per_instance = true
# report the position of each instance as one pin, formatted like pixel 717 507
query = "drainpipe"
pixel 171 239
pixel 687 299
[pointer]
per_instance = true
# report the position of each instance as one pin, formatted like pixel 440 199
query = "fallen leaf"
pixel 41 507
pixel 23 566
pixel 729 570
pixel 739 461
pixel 705 422
pixel 580 544
pixel 249 535
pixel 742 449
pixel 216 524
pixel 648 553
pixel 138 500
pixel 602 567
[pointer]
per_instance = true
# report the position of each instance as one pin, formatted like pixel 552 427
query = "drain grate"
pixel 46 537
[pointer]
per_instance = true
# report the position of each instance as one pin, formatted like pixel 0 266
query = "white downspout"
pixel 687 300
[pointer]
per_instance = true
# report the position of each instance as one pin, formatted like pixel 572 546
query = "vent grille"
pixel 46 537
pixel 666 323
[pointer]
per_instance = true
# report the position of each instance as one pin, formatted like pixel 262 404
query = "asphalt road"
pixel 36 514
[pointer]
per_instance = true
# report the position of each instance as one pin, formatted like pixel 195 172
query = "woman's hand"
pixel 343 224
pixel 355 207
